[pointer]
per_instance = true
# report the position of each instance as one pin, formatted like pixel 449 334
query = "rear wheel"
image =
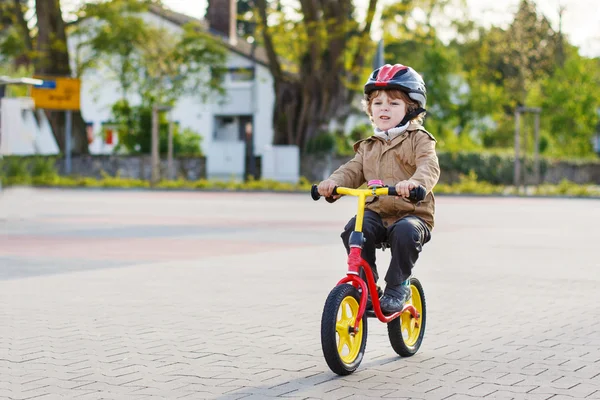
pixel 406 332
pixel 342 347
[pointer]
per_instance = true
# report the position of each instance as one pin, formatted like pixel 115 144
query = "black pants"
pixel 406 238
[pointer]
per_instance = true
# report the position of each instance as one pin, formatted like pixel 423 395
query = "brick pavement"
pixel 152 295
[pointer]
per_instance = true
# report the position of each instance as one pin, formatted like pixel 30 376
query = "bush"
pixel 135 132
pixel 493 167
pixel 324 142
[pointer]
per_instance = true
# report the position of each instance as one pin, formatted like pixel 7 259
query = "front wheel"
pixel 342 347
pixel 406 332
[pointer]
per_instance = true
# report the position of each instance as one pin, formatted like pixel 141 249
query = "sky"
pixel 580 22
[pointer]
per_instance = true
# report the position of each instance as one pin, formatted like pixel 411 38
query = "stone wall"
pixel 318 167
pixel 137 167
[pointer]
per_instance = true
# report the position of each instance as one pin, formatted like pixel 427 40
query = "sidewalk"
pixel 155 295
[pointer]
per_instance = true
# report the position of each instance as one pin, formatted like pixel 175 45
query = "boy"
pixel 400 153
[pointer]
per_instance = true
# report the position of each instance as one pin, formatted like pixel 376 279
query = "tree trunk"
pixel 53 59
pixel 21 25
pixel 306 102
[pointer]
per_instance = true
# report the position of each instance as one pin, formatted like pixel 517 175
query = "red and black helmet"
pixel 399 77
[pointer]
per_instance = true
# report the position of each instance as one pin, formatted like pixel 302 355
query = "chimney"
pixel 222 18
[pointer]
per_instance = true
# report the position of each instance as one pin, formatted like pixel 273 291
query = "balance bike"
pixel 344 320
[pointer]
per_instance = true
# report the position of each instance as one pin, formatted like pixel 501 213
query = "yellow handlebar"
pixel 382 191
pixel 416 194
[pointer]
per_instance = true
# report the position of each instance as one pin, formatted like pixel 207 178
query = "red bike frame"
pixel 356 262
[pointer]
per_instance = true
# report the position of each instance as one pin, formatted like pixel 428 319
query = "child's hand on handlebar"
pixel 403 187
pixel 326 187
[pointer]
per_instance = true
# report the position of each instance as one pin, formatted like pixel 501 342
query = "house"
pixel 233 129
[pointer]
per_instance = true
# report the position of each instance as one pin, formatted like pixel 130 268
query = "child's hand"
pixel 403 187
pixel 326 187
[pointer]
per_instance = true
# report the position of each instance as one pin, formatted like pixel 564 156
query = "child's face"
pixel 387 112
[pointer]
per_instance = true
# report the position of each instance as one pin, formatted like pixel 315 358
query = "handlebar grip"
pixel 415 195
pixel 314 193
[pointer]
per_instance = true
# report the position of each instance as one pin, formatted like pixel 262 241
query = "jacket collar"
pixel 412 126
pixel 390 133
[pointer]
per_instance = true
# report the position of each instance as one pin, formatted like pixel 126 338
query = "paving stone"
pixel 221 296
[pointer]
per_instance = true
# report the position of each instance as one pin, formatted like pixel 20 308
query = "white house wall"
pixel 100 90
pixel 21 133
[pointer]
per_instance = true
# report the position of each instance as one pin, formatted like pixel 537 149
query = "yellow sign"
pixel 57 93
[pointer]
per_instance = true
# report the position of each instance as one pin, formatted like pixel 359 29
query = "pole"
pixel 170 151
pixel 536 150
pixel 154 147
pixel 517 174
pixel 69 129
pixel 250 141
pixel 2 92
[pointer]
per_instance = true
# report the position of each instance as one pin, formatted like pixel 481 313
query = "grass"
pixel 468 184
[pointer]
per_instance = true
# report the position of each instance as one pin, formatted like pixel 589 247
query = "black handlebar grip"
pixel 314 193
pixel 331 199
pixel 415 195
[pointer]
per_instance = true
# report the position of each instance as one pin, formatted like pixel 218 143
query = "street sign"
pixel 57 93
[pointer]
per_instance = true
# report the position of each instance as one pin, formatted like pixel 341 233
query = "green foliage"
pixel 323 143
pixel 569 99
pixel 337 142
pixel 135 132
pixel 566 188
pixel 493 167
pixel 467 184
pixel 16 170
pixel 476 80
pixel 13 41
pixel 110 35
pixel 158 65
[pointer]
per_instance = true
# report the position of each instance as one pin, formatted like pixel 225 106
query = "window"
pixel 241 74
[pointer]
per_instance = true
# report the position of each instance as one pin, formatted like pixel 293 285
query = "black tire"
pixel 344 352
pixel 407 343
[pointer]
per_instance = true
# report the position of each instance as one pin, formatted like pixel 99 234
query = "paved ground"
pixel 135 295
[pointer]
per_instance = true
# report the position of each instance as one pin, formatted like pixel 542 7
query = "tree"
pixel 522 54
pixel 569 100
pixel 158 65
pixel 411 38
pixel 317 63
pixel 52 58
pixel 108 35
pixel 15 37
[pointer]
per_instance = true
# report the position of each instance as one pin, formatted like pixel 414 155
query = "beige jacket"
pixel 411 155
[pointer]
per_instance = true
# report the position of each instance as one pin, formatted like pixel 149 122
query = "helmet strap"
pixel 410 116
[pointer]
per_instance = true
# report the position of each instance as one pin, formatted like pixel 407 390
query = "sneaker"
pixel 394 299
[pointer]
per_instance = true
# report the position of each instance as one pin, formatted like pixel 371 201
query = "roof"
pixel 240 47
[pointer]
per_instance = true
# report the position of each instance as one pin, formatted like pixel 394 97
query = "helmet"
pixel 399 77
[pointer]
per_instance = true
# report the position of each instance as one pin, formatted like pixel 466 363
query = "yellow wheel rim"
pixel 411 327
pixel 348 344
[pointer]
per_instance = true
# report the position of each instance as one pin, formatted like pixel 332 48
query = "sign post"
pixel 59 94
